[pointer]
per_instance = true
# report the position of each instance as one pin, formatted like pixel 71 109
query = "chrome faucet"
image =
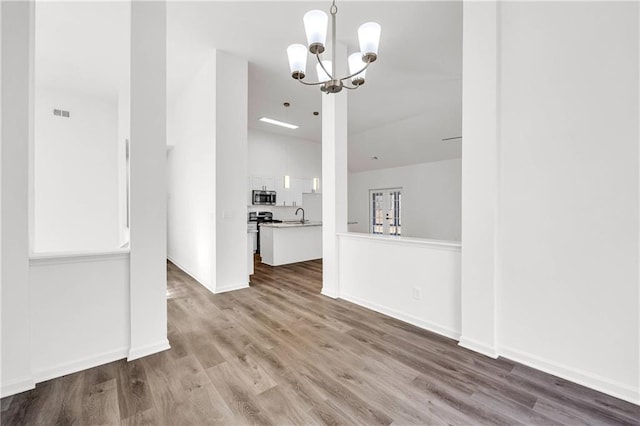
pixel 300 208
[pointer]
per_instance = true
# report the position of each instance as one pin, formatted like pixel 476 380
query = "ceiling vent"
pixel 61 113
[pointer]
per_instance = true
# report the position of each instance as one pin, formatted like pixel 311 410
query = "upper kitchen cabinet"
pixel 293 195
pixel 263 183
pixel 285 197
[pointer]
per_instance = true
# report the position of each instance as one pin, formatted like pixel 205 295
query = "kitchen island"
pixel 290 242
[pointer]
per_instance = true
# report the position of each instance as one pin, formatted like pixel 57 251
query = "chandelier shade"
pixel 369 38
pixel 297 54
pixel 356 64
pixel 315 25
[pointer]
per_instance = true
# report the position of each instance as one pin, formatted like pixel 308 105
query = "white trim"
pixel 17 386
pixel 329 293
pixel 389 239
pixel 479 347
pixel 418 322
pixel 142 351
pixel 584 378
pixel 231 287
pixel 37 259
pixel 80 364
pixel 186 271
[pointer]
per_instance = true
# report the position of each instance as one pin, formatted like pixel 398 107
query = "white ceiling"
pixel 411 101
pixel 413 95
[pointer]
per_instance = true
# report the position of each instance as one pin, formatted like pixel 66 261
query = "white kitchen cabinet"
pixel 291 196
pixel 263 183
pixel 282 244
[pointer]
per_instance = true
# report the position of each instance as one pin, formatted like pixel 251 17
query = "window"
pixel 386 211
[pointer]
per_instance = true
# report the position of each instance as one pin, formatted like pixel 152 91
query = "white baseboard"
pixel 142 351
pixel 213 289
pixel 477 346
pixel 15 386
pixel 418 322
pixel 230 287
pixel 186 271
pixel 79 365
pixel 593 381
pixel 329 293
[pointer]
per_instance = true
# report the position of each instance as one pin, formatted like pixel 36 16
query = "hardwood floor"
pixel 280 353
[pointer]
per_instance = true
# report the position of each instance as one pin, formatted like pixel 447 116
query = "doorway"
pixel 385 214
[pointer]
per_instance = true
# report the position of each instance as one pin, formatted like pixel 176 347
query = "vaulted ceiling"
pixel 413 95
pixel 411 101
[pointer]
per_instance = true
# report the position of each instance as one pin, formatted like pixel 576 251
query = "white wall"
pixel 68 312
pixel 79 312
pixel 431 196
pixel 479 176
pixel 432 269
pixel 76 173
pixel 208 174
pixel 277 155
pixel 191 163
pixel 17 57
pixel 148 261
pixel 231 97
pixel 568 295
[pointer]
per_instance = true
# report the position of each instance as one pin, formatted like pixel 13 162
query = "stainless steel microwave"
pixel 263 198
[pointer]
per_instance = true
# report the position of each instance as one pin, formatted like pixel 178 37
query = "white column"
pixel 230 237
pixel 479 176
pixel 334 180
pixel 17 33
pixel 148 179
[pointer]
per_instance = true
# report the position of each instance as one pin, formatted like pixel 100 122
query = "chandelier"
pixel 315 25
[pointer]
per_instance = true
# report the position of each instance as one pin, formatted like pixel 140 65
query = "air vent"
pixel 61 113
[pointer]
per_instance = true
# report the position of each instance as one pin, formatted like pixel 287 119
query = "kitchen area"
pixel 281 234
pixel 284 200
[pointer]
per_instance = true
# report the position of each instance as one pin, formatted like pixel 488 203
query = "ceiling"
pixel 411 101
pixel 412 98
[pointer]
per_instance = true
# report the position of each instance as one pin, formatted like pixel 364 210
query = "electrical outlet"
pixel 417 293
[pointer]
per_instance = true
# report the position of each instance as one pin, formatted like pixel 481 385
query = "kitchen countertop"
pixel 291 224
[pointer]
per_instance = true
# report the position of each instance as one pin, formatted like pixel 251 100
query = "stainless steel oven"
pixel 263 198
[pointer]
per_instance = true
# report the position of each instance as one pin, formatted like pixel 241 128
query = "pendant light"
pixel 315 24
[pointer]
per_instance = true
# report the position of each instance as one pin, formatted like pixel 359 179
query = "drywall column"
pixel 479 176
pixel 17 57
pixel 334 181
pixel 148 179
pixel 231 159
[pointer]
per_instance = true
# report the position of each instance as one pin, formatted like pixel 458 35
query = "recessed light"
pixel 286 104
pixel 278 123
pixel 316 113
pixel 374 158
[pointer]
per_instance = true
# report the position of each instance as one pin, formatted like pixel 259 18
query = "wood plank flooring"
pixel 279 353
